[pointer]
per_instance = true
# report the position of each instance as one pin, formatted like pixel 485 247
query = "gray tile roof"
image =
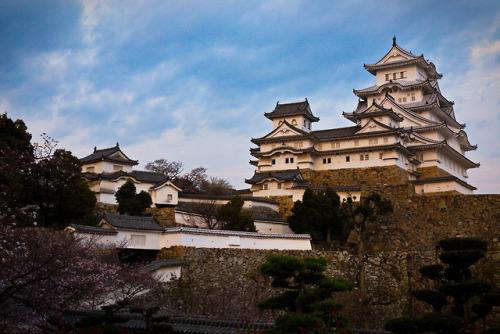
pixel 289 109
pixel 141 176
pixel 336 133
pixel 155 265
pixel 108 154
pixel 92 229
pixel 132 222
pixel 287 175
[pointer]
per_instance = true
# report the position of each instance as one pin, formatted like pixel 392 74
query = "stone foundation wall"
pixel 164 216
pixel 356 176
pixel 421 220
pixel 430 172
pixel 286 204
pixel 226 283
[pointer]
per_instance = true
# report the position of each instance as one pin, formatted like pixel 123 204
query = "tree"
pixel 171 169
pixel 231 217
pixel 307 294
pixel 48 181
pixel 16 159
pixel 366 214
pixel 129 201
pixel 47 272
pixel 56 186
pixel 459 300
pixel 192 182
pixel 318 214
pixel 216 186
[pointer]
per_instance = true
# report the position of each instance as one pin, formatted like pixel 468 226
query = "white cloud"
pixel 477 100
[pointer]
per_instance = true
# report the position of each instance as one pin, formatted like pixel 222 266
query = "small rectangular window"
pixel 367 157
pixel 291 160
pixel 273 161
pixel 404 99
pixel 347 159
pixel 386 140
pixel 169 197
pixel 279 185
pixel 324 161
pixel 413 98
pixel 266 187
pixel 287 160
pixel 394 76
pixel 90 169
pixel 138 240
pixel 387 77
pixel 337 145
pixel 329 160
pixel 356 143
pixel 380 155
pixel 361 157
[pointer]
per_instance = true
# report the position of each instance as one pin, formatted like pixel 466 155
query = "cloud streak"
pixel 191 80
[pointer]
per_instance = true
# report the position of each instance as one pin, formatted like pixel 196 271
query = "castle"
pixel 405 132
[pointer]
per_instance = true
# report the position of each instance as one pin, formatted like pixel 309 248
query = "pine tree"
pixel 459 300
pixel 307 294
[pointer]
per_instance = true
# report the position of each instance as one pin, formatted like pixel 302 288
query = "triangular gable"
pixel 373 108
pixel 284 130
pixel 374 126
pixel 167 183
pixel 410 118
pixel 118 154
pixel 104 224
pixel 396 54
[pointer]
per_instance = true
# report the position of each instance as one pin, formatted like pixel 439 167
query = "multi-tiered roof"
pixel 403 119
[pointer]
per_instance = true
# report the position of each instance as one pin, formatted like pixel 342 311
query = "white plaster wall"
pixel 228 241
pixel 153 239
pixel 272 227
pixel 161 195
pixel 167 274
pixel 102 240
pixel 189 219
pixel 247 204
pixel 411 73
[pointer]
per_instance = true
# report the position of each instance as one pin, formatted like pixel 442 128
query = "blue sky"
pixel 190 80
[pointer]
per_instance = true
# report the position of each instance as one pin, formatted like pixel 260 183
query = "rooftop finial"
pixel 394 41
pixel 95 148
pixel 306 100
pixel 117 145
pixel 277 103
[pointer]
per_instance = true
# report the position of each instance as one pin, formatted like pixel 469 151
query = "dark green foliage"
pixel 441 323
pixel 318 214
pixel 403 325
pixel 433 323
pixel 232 218
pixel 48 181
pixel 459 301
pixel 434 298
pixel 462 259
pixel 433 272
pixel 16 159
pixel 373 206
pixel 307 293
pixel 452 244
pixel 130 202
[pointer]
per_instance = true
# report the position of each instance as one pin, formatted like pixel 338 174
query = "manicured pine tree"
pixel 459 300
pixel 306 294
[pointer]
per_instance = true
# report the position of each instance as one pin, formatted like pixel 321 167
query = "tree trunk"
pixel 362 281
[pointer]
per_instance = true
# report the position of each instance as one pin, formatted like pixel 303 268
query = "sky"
pixel 190 80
